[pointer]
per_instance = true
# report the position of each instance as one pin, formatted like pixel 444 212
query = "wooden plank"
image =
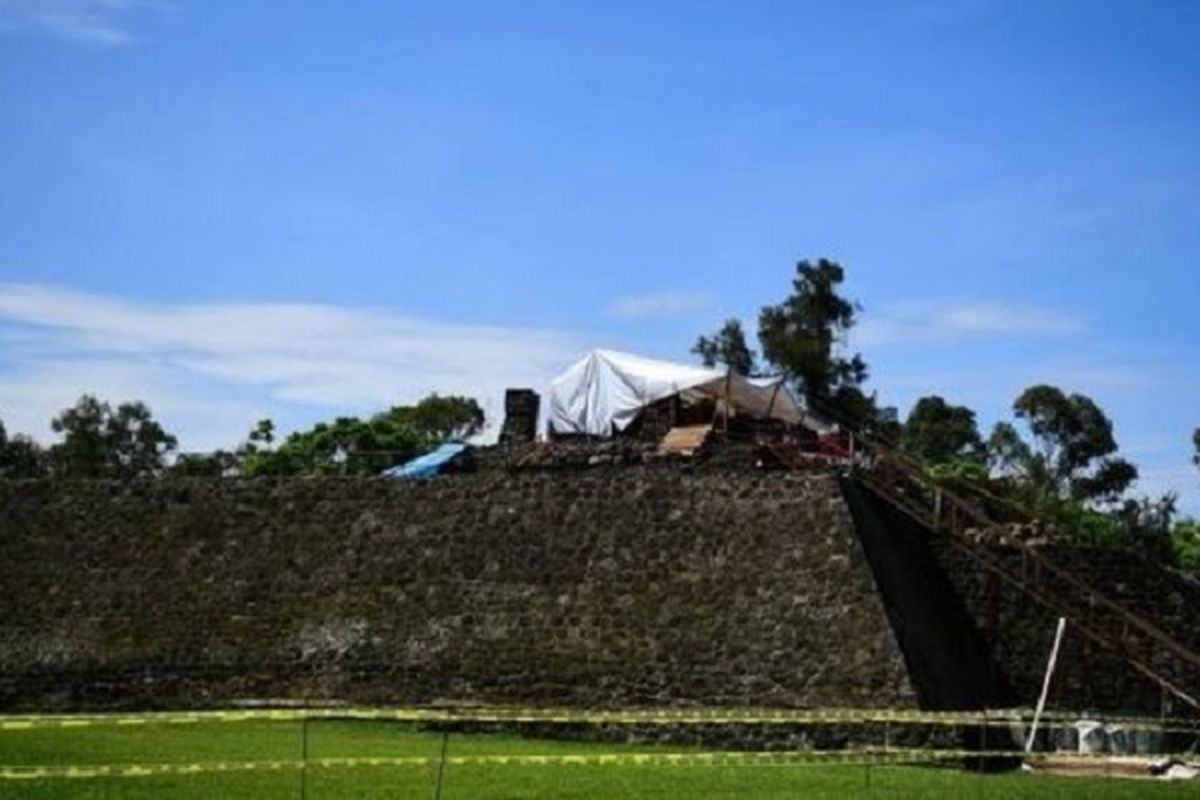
pixel 684 440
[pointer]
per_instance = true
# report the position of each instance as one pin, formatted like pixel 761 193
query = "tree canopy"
pixel 1076 444
pixel 1007 452
pixel 1185 541
pixel 437 418
pixel 727 346
pixel 20 457
pixel 1072 454
pixel 939 432
pixel 804 339
pixel 804 335
pixel 351 446
pixel 102 442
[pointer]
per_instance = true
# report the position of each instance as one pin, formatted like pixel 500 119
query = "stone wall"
pixel 647 584
pixel 971 639
pixel 949 657
pixel 1088 676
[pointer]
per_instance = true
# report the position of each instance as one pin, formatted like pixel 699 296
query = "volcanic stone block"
pixel 520 416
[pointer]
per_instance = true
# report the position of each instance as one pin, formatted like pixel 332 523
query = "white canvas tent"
pixel 605 390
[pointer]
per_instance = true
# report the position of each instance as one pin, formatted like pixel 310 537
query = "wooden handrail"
pixel 947 512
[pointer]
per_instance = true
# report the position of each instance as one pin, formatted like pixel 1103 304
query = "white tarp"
pixel 604 391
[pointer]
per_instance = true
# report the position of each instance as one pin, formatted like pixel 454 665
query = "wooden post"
pixel 1041 706
pixel 728 381
pixel 437 791
pixel 304 756
pixel 774 394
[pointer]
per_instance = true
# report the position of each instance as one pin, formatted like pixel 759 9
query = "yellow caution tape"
pixel 521 760
pixel 870 756
pixel 690 716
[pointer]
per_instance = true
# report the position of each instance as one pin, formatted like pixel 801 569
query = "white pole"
pixel 1041 706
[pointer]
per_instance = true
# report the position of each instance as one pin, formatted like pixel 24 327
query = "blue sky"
pixel 237 209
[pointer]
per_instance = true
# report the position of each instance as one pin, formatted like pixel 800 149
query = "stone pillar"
pixel 520 416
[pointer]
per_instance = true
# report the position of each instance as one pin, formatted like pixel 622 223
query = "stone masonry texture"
pixel 630 585
pixel 1087 676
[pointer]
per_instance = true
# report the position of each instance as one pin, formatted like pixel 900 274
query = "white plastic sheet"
pixel 604 391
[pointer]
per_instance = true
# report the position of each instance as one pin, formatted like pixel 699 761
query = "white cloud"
pixel 659 304
pixel 211 369
pixel 104 23
pixel 939 320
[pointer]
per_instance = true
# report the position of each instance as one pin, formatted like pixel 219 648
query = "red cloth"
pixel 833 444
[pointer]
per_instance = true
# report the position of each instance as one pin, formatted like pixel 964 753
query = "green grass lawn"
pixel 330 739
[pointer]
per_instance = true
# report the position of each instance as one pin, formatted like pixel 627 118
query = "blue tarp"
pixel 428 465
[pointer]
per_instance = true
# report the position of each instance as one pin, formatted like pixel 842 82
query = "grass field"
pixel 331 739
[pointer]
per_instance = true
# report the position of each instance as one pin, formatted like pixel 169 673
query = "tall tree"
pixel 350 445
pixel 804 338
pixel 437 418
pixel 1007 452
pixel 1196 445
pixel 259 441
pixel 20 457
pixel 84 451
pixel 246 460
pixel 1075 446
pixel 102 442
pixel 727 346
pixel 262 436
pixel 1185 541
pixel 345 446
pixel 940 432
